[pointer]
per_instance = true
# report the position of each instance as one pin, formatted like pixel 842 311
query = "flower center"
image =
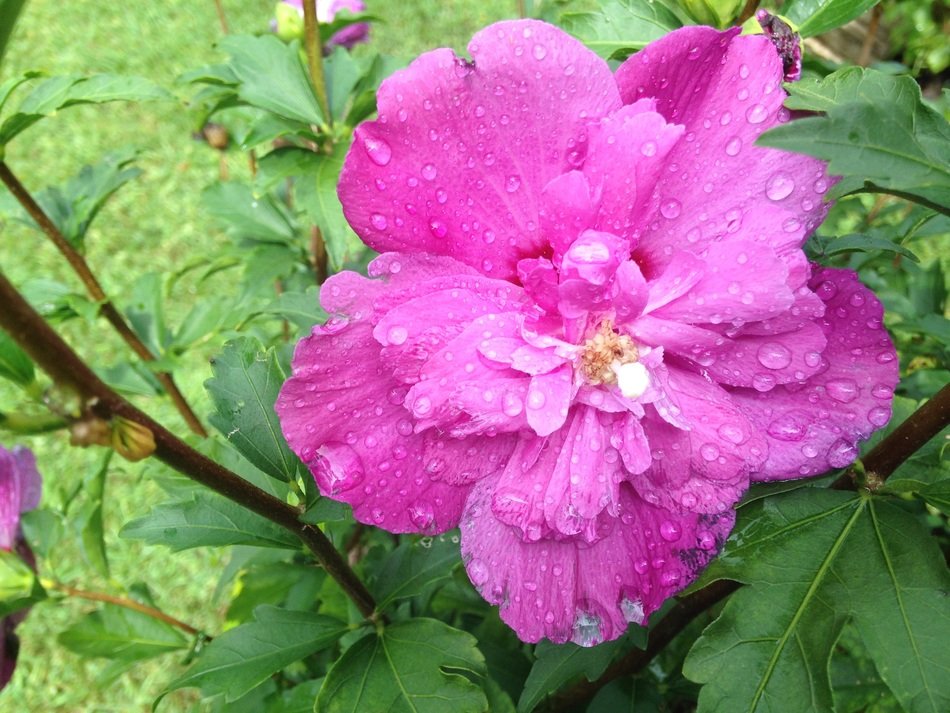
pixel 609 358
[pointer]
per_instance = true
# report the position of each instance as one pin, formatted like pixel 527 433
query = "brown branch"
pixel 925 423
pixel 318 254
pixel 121 602
pixel 864 59
pixel 106 308
pixel 54 356
pixel 748 10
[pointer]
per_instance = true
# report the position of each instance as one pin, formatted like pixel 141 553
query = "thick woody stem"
pixel 54 356
pixel 106 308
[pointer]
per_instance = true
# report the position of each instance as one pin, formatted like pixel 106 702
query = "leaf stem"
pixel 106 308
pixel 925 423
pixel 64 366
pixel 748 10
pixel 311 36
pixel 222 18
pixel 121 602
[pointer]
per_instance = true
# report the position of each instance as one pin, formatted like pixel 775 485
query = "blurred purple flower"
pixel 289 21
pixel 20 486
pixel 592 324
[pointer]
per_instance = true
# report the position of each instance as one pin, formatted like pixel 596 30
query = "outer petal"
pixel 342 414
pixel 712 83
pixel 814 427
pixel 457 161
pixel 19 491
pixel 570 591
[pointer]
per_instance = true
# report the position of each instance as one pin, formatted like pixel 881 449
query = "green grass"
pixel 154 224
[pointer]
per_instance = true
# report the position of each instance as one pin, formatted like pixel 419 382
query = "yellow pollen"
pixel 604 352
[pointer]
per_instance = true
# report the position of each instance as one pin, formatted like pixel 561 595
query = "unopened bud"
pixel 216 135
pixel 91 431
pixel 131 440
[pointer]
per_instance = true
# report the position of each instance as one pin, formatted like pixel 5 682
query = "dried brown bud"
pixel 216 136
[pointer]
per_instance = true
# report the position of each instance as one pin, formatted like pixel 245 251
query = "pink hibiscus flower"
pixel 592 324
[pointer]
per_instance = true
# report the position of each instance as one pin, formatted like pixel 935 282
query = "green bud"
pixel 289 22
pixel 718 13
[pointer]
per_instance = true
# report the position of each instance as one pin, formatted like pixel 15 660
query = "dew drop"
pixel 670 531
pixel 429 172
pixel 842 390
pixel 477 572
pixel 512 184
pixel 779 186
pixel 438 228
pixel 539 52
pixel 756 114
pixel 841 454
pixel 397 335
pixel 773 355
pixel 734 146
pixel 511 404
pixel 378 221
pixel 671 208
pixel 379 151
pixel 648 148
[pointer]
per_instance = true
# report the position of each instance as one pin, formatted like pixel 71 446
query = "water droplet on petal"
pixel 397 335
pixel 429 172
pixel 648 148
pixel 477 572
pixel 378 221
pixel 734 146
pixel 512 184
pixel 842 390
pixel 879 416
pixel 632 610
pixel 671 208
pixel 438 228
pixel 756 114
pixel 670 531
pixel 773 355
pixel 539 52
pixel 841 454
pixel 379 151
pixel 779 186
pixel 511 404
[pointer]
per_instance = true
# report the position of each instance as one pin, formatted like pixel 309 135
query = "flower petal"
pixel 725 88
pixel 816 426
pixel 572 591
pixel 458 159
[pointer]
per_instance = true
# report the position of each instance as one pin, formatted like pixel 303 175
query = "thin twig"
pixel 864 59
pixel 64 366
pixel 925 423
pixel 222 18
pixel 748 10
pixel 121 602
pixel 106 308
pixel 318 253
pixel 314 47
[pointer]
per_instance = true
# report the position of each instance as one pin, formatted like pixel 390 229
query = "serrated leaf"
pixel 938 495
pixel 315 192
pixel 55 93
pixel 876 129
pixel 866 243
pixel 410 666
pixel 271 76
pixel 244 389
pixel 814 17
pixel 248 216
pixel 413 567
pixel 620 27
pixel 556 664
pixel 87 518
pixel 115 632
pixel 807 558
pixel 301 308
pixel 15 365
pixel 242 658
pixel 206 520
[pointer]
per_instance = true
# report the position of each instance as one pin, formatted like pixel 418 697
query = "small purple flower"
pixel 20 486
pixel 289 22
pixel 592 324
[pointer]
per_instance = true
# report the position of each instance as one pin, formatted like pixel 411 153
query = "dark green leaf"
pixel 316 194
pixel 814 17
pixel 146 312
pixel 271 76
pixel 19 587
pixel 9 12
pixel 620 27
pixel 556 664
pixel 15 365
pixel 115 632
pixel 244 657
pixel 938 495
pixel 205 317
pixel 244 389
pixel 343 73
pixel 876 129
pixel 866 243
pixel 298 699
pixel 807 558
pixel 207 520
pixel 87 518
pixel 411 666
pixel 301 308
pixel 413 567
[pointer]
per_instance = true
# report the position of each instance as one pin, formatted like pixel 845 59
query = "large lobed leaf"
pixel 410 667
pixel 813 17
pixel 620 27
pixel 812 560
pixel 876 131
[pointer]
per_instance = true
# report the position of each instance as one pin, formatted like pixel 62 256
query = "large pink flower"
pixel 592 323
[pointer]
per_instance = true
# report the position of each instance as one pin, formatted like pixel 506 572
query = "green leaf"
pixel 205 317
pixel 316 194
pixel 556 664
pixel 206 520
pixel 18 583
pixel 87 518
pixel 866 243
pixel 938 495
pixel 621 27
pixel 343 73
pixel 414 567
pixel 244 389
pixel 15 365
pixel 413 666
pixel 876 129
pixel 248 216
pixel 244 657
pixel 900 606
pixel 271 76
pixel 814 17
pixel 74 205
pixel 9 12
pixel 115 632
pixel 807 557
pixel 55 93
pixel 301 308
pixel 146 312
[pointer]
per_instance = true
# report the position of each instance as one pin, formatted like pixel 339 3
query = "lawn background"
pixel 154 224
